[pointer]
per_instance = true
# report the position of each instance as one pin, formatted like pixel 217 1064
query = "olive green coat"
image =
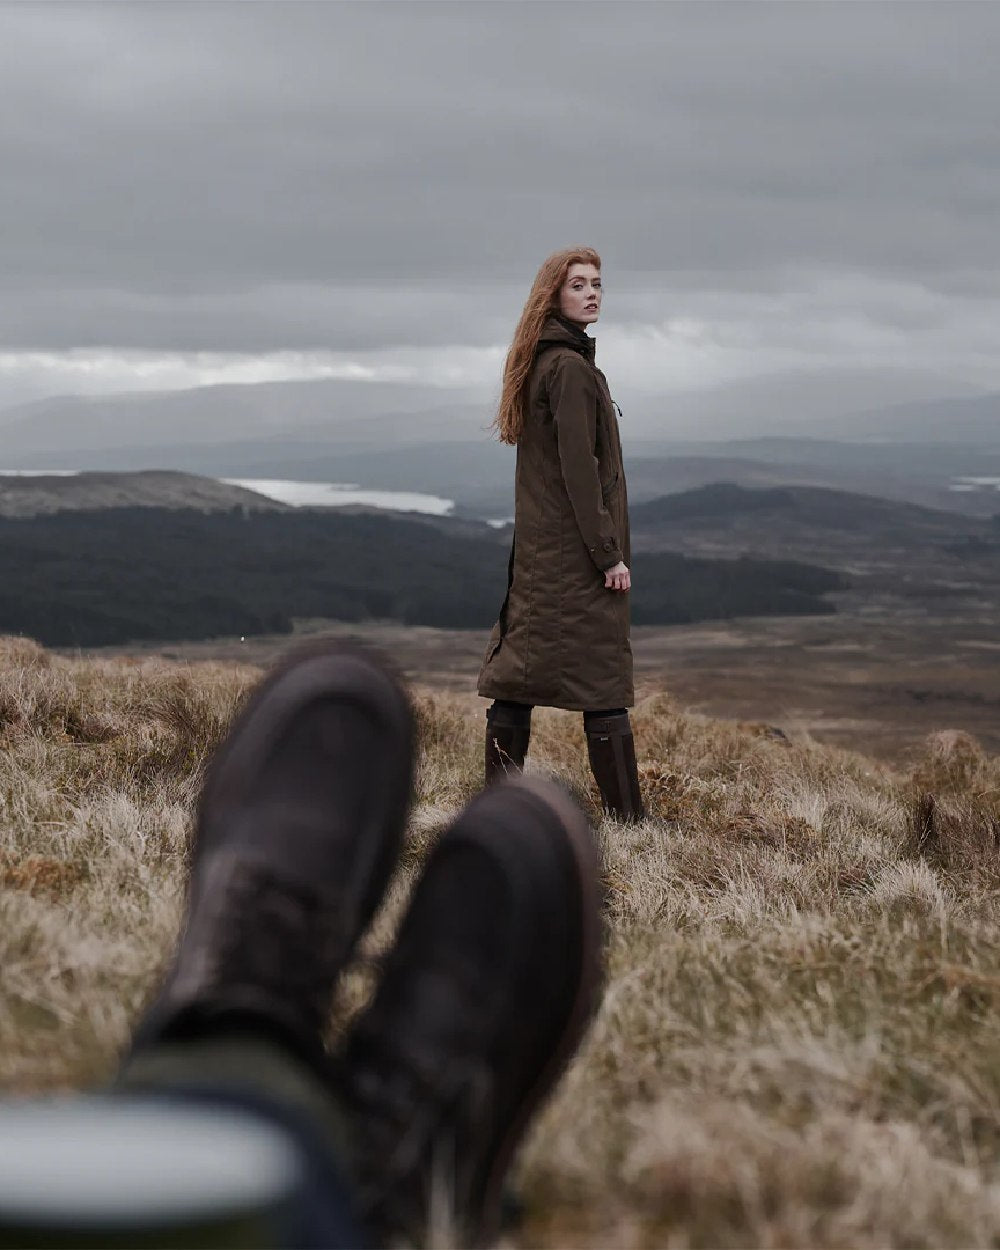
pixel 562 639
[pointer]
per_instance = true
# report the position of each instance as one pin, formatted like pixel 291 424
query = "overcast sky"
pixel 193 192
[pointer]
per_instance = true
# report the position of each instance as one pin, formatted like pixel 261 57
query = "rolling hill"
pixel 791 511
pixel 38 495
pixel 891 551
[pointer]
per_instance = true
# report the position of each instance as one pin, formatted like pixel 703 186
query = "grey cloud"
pixel 301 316
pixel 254 177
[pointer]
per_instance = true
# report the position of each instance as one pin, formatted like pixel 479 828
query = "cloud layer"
pixel 196 192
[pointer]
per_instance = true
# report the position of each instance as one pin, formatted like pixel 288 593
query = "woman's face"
pixel 580 294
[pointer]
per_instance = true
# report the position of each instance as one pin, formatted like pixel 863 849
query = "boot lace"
pixel 285 939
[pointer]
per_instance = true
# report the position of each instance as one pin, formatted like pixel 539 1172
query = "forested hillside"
pixel 120 575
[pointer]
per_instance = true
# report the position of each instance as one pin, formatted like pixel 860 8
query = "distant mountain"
pixel 356 416
pixel 799 403
pixel 350 414
pixel 404 437
pixel 479 475
pixel 43 495
pixel 791 411
pixel 475 473
pixel 960 419
pixel 941 459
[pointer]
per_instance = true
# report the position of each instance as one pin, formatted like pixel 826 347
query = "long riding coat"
pixel 562 639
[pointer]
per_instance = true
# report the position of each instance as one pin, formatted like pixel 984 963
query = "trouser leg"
pixel 252 1072
pixel 508 731
pixel 611 749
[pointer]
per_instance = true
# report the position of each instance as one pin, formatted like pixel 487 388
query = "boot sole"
pixel 586 858
pixel 324 669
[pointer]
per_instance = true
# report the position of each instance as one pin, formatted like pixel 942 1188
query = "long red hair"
pixel 542 301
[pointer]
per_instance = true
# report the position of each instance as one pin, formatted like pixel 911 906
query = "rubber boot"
pixel 508 731
pixel 611 748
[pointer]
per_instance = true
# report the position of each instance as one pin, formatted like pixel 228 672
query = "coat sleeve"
pixel 573 402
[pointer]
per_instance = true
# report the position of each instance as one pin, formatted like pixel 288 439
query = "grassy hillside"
pixel 799 1042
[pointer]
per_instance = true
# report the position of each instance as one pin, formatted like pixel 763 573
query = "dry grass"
pixel 798 1043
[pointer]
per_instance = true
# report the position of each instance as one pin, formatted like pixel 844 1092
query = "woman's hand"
pixel 618 578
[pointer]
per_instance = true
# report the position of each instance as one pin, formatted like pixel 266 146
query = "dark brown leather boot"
pixel 482 1004
pixel 611 748
pixel 508 731
pixel 299 826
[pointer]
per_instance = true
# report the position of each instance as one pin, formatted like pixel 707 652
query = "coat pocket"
pixel 494 644
pixel 609 488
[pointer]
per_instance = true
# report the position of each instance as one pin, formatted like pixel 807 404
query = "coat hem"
pixel 565 705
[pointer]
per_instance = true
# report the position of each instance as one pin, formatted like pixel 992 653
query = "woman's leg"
pixel 508 731
pixel 611 749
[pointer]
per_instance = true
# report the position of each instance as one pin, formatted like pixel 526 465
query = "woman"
pixel 562 639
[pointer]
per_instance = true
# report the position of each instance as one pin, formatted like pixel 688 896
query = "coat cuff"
pixel 606 554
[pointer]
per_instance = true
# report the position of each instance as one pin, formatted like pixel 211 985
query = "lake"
pixel 975 483
pixel 340 494
pixel 305 494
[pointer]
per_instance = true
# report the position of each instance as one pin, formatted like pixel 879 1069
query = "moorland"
pixel 799 1037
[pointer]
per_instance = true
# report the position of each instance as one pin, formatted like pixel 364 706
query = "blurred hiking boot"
pixel 508 732
pixel 483 1002
pixel 611 749
pixel 299 825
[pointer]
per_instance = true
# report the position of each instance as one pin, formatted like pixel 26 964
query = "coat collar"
pixel 557 329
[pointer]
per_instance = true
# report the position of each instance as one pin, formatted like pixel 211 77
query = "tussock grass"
pixel 798 1042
